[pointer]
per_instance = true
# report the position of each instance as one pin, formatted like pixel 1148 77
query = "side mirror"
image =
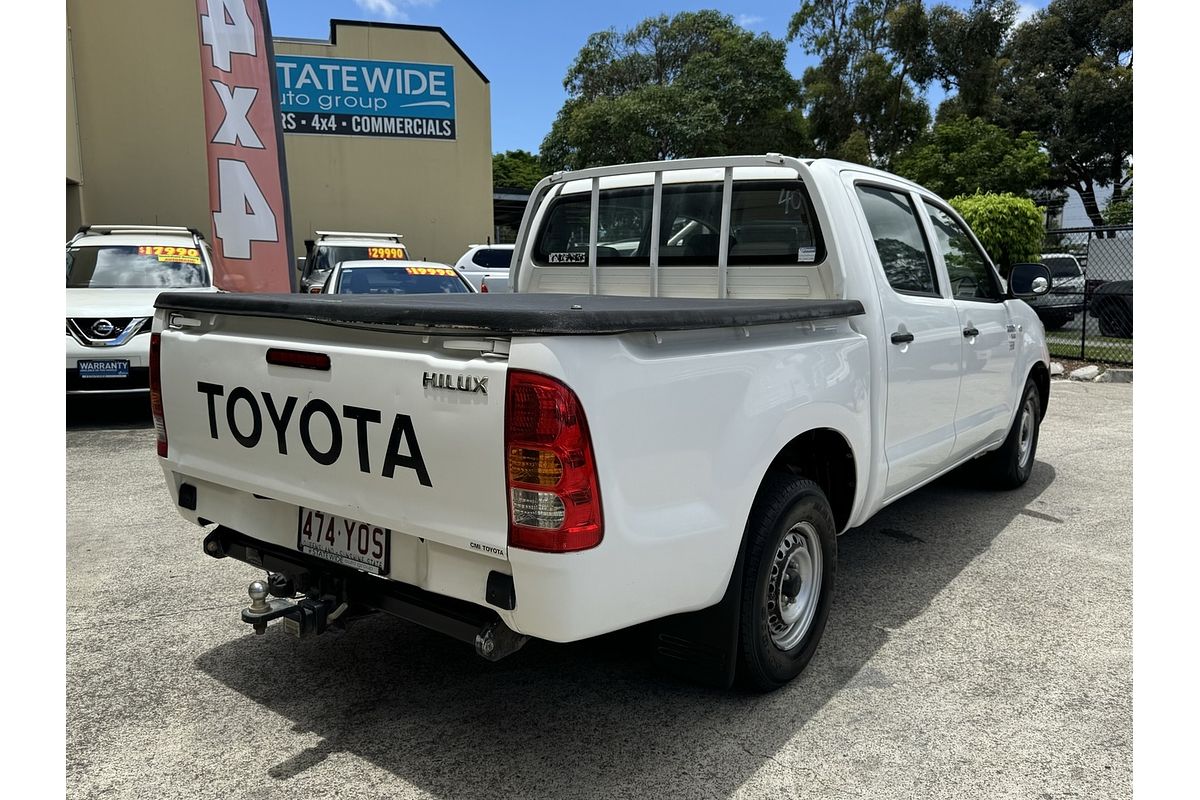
pixel 300 261
pixel 1029 280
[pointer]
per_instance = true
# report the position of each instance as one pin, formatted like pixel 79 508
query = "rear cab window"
pixel 899 240
pixel 490 258
pixel 771 222
pixel 136 267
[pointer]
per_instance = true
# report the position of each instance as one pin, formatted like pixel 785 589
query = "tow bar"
pixel 311 616
pixel 309 596
pixel 308 617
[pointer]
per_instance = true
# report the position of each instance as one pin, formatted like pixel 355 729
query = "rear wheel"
pixel 787 588
pixel 1114 321
pixel 1011 465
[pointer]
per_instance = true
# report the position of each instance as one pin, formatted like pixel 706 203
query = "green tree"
pixel 695 84
pixel 517 169
pixel 874 61
pixel 964 52
pixel 1120 211
pixel 965 156
pixel 1069 79
pixel 1010 228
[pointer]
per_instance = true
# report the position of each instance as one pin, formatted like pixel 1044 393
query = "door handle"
pixel 901 338
pixel 969 332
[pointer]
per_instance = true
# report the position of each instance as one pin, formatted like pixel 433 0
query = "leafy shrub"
pixel 1010 228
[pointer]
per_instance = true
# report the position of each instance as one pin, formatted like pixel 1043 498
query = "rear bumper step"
pixel 328 586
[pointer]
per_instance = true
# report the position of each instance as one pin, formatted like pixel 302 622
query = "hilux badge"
pixel 454 383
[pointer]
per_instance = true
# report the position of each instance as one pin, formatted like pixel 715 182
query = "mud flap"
pixel 702 646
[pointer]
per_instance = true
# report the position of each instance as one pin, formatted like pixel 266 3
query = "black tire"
pixel 1115 321
pixel 785 504
pixel 1011 465
pixel 1053 322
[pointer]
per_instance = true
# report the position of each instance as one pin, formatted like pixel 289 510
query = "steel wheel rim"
pixel 794 586
pixel 1025 436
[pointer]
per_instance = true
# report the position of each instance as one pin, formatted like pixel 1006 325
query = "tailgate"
pixel 403 430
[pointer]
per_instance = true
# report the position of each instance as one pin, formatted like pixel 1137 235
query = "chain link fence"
pixel 1088 314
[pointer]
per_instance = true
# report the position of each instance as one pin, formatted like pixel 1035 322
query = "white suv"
pixel 114 275
pixel 486 265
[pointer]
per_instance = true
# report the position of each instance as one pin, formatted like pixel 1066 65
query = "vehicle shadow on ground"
pixel 595 718
pixel 108 411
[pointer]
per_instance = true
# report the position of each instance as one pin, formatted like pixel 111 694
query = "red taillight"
pixel 156 404
pixel 483 286
pixel 553 492
pixel 297 358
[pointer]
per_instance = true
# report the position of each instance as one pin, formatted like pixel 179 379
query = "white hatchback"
pixel 486 265
pixel 114 275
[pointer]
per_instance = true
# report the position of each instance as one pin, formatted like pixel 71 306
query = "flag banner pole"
pixel 247 173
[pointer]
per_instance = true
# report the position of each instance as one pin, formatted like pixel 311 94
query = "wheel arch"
pixel 824 456
pixel 1041 379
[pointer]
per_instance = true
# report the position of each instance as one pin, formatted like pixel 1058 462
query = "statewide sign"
pixel 247 179
pixel 352 97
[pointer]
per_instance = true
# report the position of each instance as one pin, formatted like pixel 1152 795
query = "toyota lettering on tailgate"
pixel 402 447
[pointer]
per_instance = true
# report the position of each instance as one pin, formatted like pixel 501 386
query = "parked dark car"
pixel 1066 296
pixel 1112 306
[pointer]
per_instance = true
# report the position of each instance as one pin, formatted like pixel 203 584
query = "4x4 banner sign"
pixel 247 176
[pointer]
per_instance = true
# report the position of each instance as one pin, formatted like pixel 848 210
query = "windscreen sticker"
pixel 443 271
pixel 807 255
pixel 177 255
pixel 567 258
pixel 387 252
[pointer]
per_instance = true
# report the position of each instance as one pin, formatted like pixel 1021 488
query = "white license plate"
pixel 103 368
pixel 344 541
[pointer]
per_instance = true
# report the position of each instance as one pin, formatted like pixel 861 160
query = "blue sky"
pixel 525 46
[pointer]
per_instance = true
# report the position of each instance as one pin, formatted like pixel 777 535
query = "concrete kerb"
pixel 1093 373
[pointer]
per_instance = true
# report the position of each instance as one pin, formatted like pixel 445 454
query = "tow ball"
pixel 307 617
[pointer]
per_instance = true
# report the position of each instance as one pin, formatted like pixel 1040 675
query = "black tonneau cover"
pixel 516 314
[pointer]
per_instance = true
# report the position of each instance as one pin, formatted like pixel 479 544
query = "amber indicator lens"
pixel 534 467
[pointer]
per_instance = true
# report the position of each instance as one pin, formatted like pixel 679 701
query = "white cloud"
pixel 748 20
pixel 392 9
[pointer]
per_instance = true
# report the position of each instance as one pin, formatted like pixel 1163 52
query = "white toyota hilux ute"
pixel 706 371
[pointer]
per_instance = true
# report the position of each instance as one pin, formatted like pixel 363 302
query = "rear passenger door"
pixel 924 348
pixel 989 337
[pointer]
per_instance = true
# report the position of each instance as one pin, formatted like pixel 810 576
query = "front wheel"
pixel 1011 465
pixel 791 560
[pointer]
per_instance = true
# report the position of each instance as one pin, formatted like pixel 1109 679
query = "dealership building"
pixel 136 127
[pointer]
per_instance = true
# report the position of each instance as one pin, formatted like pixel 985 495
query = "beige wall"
pixel 437 193
pixel 141 122
pixel 140 154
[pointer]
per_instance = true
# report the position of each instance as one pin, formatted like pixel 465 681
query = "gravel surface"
pixel 979 647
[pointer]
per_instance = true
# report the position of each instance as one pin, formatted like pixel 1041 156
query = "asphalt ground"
pixel 979 646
